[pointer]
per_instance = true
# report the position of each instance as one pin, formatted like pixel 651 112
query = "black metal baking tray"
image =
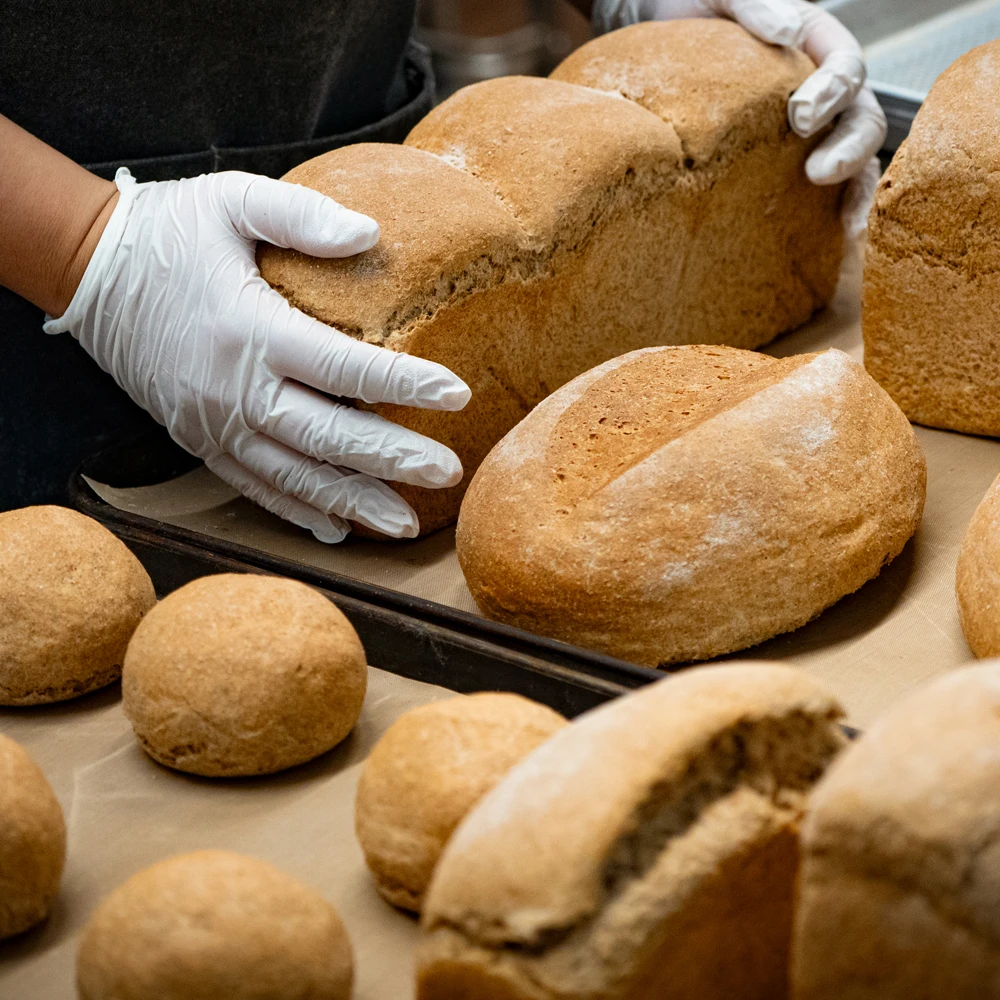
pixel 407 635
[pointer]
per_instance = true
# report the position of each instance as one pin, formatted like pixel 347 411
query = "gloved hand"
pixel 173 306
pixel 836 88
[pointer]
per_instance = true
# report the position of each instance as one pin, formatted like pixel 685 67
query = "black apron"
pixel 175 90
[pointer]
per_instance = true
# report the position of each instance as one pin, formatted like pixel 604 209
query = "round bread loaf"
pixel 977 578
pixel 900 878
pixel 71 595
pixel 214 926
pixel 428 770
pixel 647 850
pixel 678 503
pixel 243 674
pixel 32 841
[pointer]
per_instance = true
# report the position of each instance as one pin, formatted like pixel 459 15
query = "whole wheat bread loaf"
pixel 678 503
pixel 649 192
pixel 900 879
pixel 932 267
pixel 649 850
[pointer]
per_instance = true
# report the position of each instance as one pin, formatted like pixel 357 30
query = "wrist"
pixel 82 240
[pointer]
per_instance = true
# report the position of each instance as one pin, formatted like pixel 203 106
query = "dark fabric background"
pixel 117 80
pixel 175 90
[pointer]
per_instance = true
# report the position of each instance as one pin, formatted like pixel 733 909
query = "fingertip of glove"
pixel 353 233
pixel 776 22
pixel 456 398
pixel 823 170
pixel 445 471
pixel 328 533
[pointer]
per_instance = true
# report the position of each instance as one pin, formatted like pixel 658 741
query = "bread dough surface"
pixel 214 925
pixel 428 770
pixel 243 674
pixel 32 841
pixel 71 595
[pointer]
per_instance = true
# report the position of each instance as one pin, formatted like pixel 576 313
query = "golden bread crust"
pixel 427 771
pixel 217 926
pixel 32 841
pixel 901 857
pixel 582 216
pixel 242 674
pixel 977 577
pixel 626 841
pixel 635 508
pixel 932 266
pixel 71 595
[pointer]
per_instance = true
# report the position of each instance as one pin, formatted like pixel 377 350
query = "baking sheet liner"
pixel 873 646
pixel 125 812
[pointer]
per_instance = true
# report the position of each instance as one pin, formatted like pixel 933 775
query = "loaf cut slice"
pixel 647 850
pixel 900 877
pixel 931 304
pixel 678 503
pixel 534 228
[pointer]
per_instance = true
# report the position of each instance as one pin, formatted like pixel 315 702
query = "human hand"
pixel 837 90
pixel 173 307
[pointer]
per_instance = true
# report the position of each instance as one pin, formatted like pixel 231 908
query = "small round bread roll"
pixel 977 579
pixel 215 926
pixel 429 769
pixel 242 674
pixel 71 595
pixel 32 841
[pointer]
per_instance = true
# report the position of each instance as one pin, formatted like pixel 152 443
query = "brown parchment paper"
pixel 125 812
pixel 872 647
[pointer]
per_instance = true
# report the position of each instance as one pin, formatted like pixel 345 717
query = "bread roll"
pixel 900 877
pixel 71 595
pixel 932 268
pixel 214 926
pixel 679 503
pixel 647 850
pixel 431 766
pixel 977 579
pixel 532 229
pixel 239 674
pixel 32 841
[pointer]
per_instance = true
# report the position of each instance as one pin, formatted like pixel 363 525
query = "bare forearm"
pixel 52 213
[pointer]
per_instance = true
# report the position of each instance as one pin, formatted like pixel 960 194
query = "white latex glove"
pixel 173 306
pixel 836 88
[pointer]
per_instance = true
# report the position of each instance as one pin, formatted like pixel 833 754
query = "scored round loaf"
pixel 900 873
pixel 242 674
pixel 213 925
pixel 71 595
pixel 678 503
pixel 532 228
pixel 977 577
pixel 932 263
pixel 647 850
pixel 431 766
pixel 32 841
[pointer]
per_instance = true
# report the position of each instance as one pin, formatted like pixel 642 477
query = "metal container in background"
pixel 909 43
pixel 475 40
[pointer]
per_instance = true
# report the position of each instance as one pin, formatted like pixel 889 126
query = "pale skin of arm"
pixel 52 214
